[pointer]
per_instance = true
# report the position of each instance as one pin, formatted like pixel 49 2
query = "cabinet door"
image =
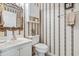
pixel 11 52
pixel 26 50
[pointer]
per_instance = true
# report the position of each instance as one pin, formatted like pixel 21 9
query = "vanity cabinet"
pixel 20 50
pixel 26 50
pixel 10 52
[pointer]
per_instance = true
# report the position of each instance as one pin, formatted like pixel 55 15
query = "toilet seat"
pixel 41 46
pixel 41 49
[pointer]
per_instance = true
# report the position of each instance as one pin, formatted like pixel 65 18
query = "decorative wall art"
pixel 69 5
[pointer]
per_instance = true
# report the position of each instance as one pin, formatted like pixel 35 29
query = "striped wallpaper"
pixel 61 39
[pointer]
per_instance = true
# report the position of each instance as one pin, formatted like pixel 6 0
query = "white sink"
pixel 14 41
pixel 4 43
pixel 7 41
pixel 18 40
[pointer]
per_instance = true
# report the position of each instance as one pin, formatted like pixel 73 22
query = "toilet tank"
pixel 35 39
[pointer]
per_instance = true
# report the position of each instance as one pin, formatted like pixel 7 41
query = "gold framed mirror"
pixel 11 17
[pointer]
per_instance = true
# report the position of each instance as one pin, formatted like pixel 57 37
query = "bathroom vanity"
pixel 16 47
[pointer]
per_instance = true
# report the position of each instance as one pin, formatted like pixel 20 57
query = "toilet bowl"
pixel 40 49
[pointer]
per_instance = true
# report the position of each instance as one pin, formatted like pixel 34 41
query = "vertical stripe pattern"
pixel 72 40
pixel 59 28
pixel 46 23
pixel 65 32
pixel 54 28
pixel 50 24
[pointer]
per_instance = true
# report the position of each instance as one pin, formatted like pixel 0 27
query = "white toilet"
pixel 41 49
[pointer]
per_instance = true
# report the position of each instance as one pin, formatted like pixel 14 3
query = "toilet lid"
pixel 41 46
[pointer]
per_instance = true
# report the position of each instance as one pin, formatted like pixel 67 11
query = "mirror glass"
pixel 9 19
pixel 11 15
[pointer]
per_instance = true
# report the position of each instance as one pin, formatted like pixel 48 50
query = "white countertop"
pixel 13 43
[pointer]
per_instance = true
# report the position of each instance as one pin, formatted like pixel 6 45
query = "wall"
pixel 33 10
pixel 26 18
pixel 33 20
pixel 56 33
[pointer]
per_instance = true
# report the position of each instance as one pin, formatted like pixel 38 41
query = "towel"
pixel 71 18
